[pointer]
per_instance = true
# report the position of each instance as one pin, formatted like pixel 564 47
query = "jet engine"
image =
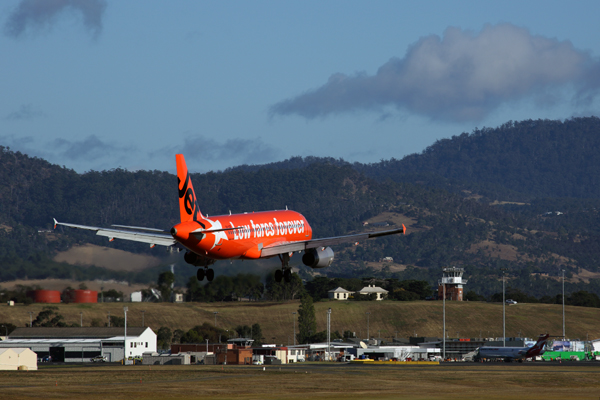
pixel 320 257
pixel 197 259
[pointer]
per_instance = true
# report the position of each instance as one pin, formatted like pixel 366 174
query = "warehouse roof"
pixel 74 332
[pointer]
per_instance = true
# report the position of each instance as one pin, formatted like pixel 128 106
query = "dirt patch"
pixel 61 284
pixel 113 259
pixel 499 203
pixel 585 275
pixel 511 253
pixel 378 266
pixel 502 251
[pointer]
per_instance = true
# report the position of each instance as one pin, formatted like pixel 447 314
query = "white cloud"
pixel 462 76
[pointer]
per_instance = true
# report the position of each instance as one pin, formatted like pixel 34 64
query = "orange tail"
pixel 188 203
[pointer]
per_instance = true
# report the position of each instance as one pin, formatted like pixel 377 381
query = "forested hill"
pixel 549 159
pixel 519 160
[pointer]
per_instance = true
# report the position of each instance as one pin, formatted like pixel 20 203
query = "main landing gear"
pixel 208 272
pixel 285 272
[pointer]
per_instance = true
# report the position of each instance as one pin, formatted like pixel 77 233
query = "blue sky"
pixel 104 84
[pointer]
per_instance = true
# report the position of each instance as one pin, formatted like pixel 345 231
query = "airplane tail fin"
pixel 538 347
pixel 188 202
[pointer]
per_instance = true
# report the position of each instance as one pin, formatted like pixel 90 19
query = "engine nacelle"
pixel 318 258
pixel 197 259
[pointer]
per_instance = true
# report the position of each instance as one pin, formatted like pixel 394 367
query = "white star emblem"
pixel 219 236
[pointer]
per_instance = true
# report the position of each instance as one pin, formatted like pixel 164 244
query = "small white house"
pixel 12 359
pixel 379 292
pixel 296 354
pixel 339 294
pixel 136 297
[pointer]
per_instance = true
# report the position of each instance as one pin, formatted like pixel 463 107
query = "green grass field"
pixel 423 318
pixel 302 381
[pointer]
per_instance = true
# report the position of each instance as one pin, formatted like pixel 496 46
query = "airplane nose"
pixel 173 231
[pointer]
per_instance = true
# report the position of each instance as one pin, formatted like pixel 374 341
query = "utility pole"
pixel 563 302
pixel 503 309
pixel 81 319
pixel 109 319
pixel 444 320
pixel 30 319
pixel 329 334
pixel 125 309
pixel 294 316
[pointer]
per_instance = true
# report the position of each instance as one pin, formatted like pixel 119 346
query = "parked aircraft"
pixel 514 353
pixel 235 236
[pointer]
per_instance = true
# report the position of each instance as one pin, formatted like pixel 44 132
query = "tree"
pixel 6 328
pixel 257 334
pixel 583 298
pixel 177 335
pixel 165 284
pixel 473 296
pixel 49 317
pixel 116 321
pixel 163 337
pixel 307 323
pixel 283 290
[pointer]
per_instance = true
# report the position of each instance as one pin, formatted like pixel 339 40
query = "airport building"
pixel 13 359
pixel 452 284
pixel 81 344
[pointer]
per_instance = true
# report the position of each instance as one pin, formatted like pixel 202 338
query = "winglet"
pixel 188 202
pixel 55 222
pixel 403 229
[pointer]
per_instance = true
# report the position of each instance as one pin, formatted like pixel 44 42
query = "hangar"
pixel 81 344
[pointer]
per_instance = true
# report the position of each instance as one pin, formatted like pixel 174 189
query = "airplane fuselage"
pixel 512 353
pixel 252 232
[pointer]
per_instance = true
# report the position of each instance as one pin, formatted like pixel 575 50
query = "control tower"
pixel 454 282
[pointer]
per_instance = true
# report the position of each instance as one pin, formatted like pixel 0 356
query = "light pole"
pixel 563 302
pixel 503 309
pixel 368 336
pixel 444 319
pixel 294 317
pixel 143 314
pixel 30 319
pixel 214 312
pixel 125 309
pixel 329 334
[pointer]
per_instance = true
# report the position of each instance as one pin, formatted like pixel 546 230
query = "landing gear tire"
pixel 210 274
pixel 287 275
pixel 278 275
pixel 200 274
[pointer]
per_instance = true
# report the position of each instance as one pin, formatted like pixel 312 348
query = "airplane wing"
pixel 281 248
pixel 153 237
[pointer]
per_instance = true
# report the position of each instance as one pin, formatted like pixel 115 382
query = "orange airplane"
pixel 245 236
